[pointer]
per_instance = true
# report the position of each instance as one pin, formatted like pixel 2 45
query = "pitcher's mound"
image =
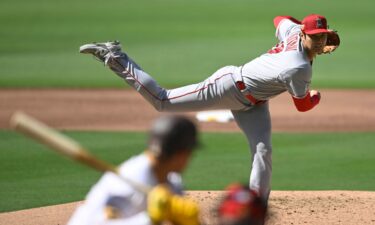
pixel 285 207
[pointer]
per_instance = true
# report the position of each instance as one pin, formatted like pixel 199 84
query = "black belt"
pixel 242 87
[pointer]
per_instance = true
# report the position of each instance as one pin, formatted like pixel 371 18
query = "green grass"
pixel 32 176
pixel 178 42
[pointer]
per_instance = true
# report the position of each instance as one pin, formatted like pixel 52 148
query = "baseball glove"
pixel 333 42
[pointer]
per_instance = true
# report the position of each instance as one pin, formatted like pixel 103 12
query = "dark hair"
pixel 171 134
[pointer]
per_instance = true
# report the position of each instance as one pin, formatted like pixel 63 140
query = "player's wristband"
pixel 306 103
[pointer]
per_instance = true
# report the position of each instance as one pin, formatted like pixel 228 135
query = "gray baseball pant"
pixel 219 91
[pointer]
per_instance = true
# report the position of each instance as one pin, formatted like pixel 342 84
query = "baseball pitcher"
pixel 245 89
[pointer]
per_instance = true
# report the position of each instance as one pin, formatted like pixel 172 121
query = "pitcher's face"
pixel 314 43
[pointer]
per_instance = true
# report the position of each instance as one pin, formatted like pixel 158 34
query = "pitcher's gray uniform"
pixel 244 90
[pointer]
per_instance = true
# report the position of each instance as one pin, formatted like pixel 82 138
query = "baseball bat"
pixel 66 146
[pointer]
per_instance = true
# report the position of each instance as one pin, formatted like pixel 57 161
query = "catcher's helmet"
pixel 242 206
pixel 171 134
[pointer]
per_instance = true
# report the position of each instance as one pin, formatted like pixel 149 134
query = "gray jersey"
pixel 284 68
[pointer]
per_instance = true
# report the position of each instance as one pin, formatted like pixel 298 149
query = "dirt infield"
pixel 286 207
pixel 126 110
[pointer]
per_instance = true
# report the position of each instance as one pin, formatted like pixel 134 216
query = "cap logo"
pixel 319 23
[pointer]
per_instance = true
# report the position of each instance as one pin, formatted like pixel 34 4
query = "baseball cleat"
pixel 101 49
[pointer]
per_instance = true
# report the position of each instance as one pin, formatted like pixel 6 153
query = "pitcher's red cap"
pixel 314 24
